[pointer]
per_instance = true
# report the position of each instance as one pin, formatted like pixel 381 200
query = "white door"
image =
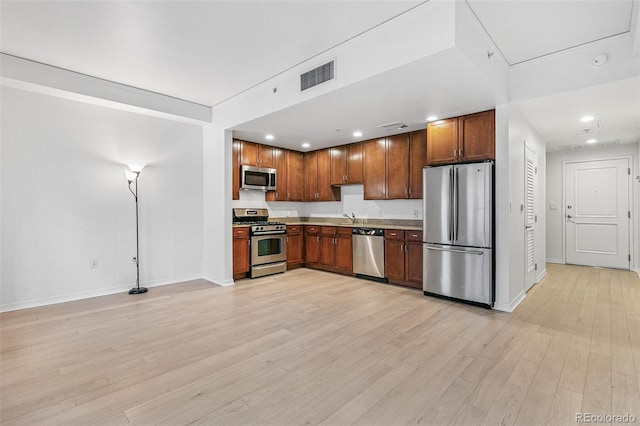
pixel 530 217
pixel 597 213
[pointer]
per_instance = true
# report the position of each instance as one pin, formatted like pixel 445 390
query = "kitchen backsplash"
pixel 352 202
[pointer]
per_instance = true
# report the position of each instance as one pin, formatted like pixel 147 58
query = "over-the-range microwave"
pixel 261 178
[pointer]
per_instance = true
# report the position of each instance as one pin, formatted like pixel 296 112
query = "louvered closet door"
pixel 530 216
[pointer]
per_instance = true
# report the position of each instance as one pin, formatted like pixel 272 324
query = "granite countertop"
pixel 403 224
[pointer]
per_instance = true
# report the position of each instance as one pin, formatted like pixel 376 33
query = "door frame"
pixel 629 199
pixel 530 147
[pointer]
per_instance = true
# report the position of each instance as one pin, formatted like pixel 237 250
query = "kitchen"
pixel 389 168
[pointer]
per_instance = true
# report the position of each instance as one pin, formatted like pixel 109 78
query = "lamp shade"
pixel 136 168
pixel 131 176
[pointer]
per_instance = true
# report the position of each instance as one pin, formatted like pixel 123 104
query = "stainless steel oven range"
pixel 268 242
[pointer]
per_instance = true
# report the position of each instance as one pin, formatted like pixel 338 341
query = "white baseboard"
pixel 513 305
pixel 220 281
pixel 541 275
pixel 70 297
pixel 560 261
pixel 636 270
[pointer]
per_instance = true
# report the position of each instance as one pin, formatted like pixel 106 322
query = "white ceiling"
pixel 209 51
pixel 200 51
pixel 615 107
pixel 525 30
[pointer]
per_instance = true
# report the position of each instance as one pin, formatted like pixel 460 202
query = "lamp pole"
pixel 133 177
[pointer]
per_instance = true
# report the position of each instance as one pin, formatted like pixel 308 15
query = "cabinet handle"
pixel 249 242
pixel 318 239
pixel 455 152
pixel 406 191
pixel 344 178
pixel 287 239
pixel 460 153
pixel 288 195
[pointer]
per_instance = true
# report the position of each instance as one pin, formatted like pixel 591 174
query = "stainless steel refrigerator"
pixel 458 232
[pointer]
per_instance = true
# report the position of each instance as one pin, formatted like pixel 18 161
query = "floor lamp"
pixel 132 177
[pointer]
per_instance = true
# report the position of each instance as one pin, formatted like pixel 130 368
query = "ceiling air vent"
pixel 316 76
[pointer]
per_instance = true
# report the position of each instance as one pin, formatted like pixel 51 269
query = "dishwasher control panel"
pixel 368 231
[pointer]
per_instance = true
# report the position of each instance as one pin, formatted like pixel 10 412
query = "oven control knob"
pixel 259 228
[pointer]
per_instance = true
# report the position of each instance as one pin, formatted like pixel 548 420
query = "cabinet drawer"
pixel 241 231
pixel 312 229
pixel 413 236
pixel 344 230
pixel 393 234
pixel 328 230
pixel 294 229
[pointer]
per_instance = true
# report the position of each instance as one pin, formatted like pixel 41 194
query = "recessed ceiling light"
pixel 432 118
pixel 269 137
pixel 357 134
pixel 586 118
pixel 592 140
pixel 306 145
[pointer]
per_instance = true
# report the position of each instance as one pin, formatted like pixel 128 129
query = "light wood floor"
pixel 311 347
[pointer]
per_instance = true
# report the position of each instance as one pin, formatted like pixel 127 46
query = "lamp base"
pixel 137 290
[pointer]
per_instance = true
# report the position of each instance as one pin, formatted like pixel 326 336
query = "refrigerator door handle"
pixel 450 227
pixel 455 251
pixel 454 224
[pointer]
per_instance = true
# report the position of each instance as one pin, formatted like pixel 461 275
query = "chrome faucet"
pixel 352 218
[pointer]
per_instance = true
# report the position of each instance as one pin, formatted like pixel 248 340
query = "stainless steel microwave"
pixel 261 178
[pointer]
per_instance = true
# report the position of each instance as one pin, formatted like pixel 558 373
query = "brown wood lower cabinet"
pixel 241 252
pixel 311 245
pixel 403 257
pixel 329 248
pixel 295 256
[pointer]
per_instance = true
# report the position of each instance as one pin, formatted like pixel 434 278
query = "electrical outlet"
pixel 93 264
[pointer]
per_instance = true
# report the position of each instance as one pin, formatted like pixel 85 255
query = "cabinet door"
pixel 325 191
pixel 327 250
pixel 338 165
pixel 250 154
pixel 294 176
pixel 477 136
pixel 417 161
pixel 311 176
pixel 235 172
pixel 413 266
pixel 394 259
pixel 354 171
pixel 344 252
pixel 311 248
pixel 442 141
pixel 267 156
pixel 374 169
pixel 294 249
pixel 397 166
pixel 240 253
pixel 280 159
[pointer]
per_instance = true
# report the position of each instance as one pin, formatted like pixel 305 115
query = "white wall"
pixel 65 199
pixel 555 182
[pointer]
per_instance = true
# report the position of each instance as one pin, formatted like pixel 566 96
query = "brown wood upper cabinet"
pixel 346 164
pixel 393 166
pixel 317 179
pixel 461 139
pixel 288 165
pixel 258 155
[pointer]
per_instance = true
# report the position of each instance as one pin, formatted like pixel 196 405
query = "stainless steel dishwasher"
pixel 368 253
